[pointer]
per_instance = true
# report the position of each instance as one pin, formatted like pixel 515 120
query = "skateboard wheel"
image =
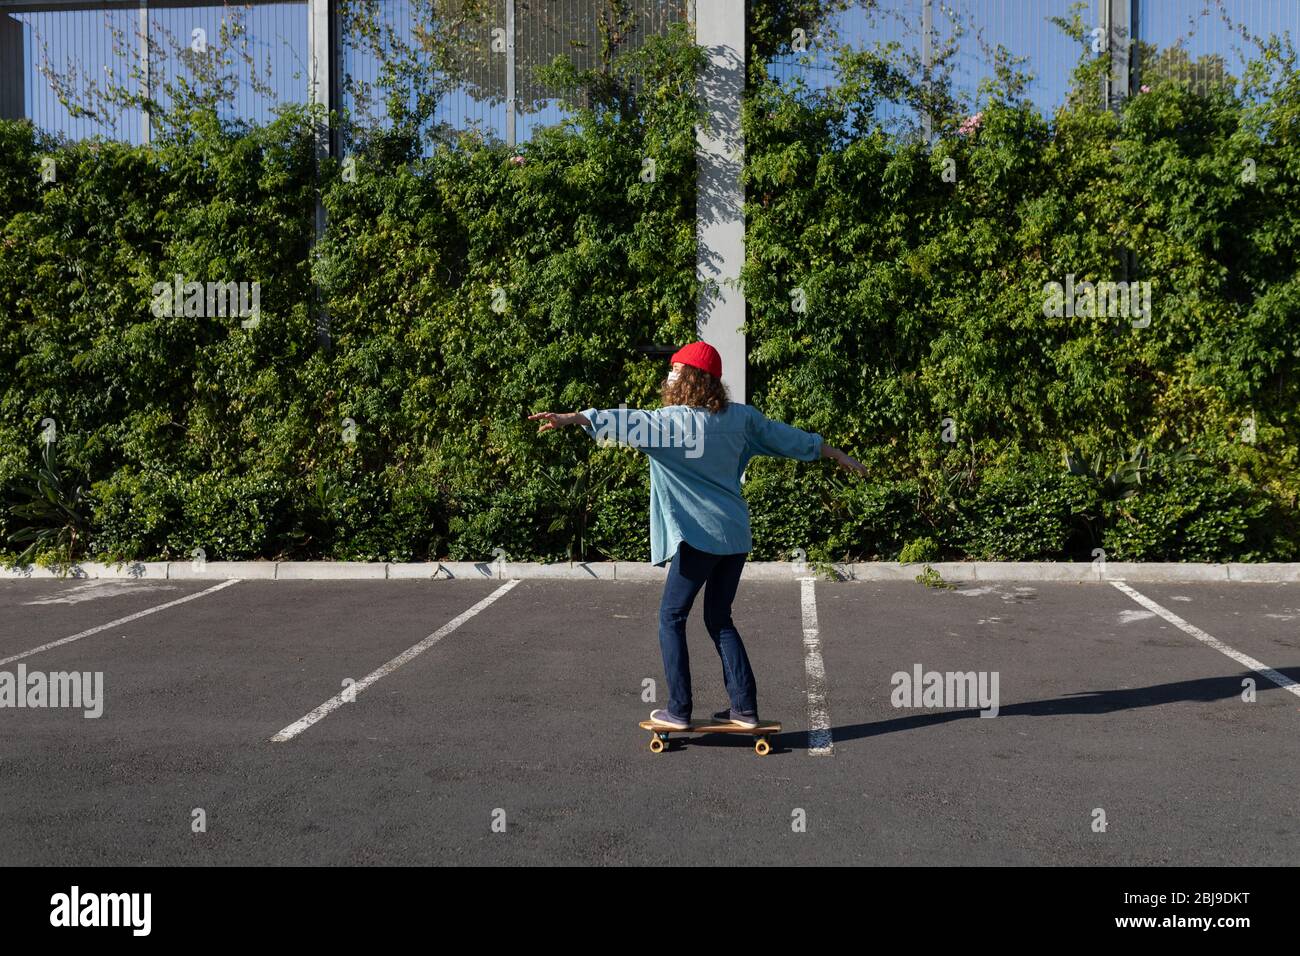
pixel 762 747
pixel 657 744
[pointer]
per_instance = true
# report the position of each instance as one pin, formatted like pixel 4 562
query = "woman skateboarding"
pixel 698 445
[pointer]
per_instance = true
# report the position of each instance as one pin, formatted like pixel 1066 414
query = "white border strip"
pixel 119 622
pixel 820 743
pixel 1281 680
pixel 412 652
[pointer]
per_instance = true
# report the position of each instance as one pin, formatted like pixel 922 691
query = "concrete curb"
pixel 448 571
pixel 153 570
pixel 223 570
pixel 1265 573
pixel 329 571
pixel 1076 572
pixel 636 571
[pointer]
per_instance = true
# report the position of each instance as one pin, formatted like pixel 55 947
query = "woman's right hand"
pixel 551 420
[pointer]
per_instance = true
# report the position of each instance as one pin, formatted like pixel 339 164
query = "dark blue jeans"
pixel 719 575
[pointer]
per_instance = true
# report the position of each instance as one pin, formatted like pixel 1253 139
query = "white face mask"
pixel 673 376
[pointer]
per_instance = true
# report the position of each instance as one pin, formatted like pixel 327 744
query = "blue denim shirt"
pixel 696 460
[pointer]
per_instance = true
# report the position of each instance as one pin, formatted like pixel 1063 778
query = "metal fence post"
pixel 146 120
pixel 927 61
pixel 510 72
pixel 13 69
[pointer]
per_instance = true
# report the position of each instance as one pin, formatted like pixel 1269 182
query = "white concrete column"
pixel 322 88
pixel 322 78
pixel 319 77
pixel 720 226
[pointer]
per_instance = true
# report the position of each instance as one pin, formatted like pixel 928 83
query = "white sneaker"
pixel 668 720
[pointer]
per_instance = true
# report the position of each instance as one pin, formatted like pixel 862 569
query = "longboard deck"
pixel 659 733
pixel 713 727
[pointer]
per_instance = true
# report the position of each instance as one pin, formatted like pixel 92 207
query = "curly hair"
pixel 696 388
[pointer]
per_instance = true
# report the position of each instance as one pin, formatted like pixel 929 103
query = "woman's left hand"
pixel 852 464
pixel 843 460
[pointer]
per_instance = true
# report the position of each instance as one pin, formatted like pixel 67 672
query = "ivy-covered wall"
pixel 899 305
pixel 907 302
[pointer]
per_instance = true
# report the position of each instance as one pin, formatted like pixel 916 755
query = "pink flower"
pixel 517 160
pixel 971 124
pixel 1145 89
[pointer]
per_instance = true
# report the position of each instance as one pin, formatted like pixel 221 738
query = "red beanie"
pixel 700 355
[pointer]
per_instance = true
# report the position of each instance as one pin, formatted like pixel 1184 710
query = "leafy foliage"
pixel 923 346
pixel 463 285
pixel 462 291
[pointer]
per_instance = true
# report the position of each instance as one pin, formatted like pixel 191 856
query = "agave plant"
pixel 54 507
pixel 576 493
pixel 1126 478
pixel 314 529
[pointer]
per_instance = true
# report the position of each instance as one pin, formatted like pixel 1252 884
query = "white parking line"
pixel 820 743
pixel 119 622
pixel 412 652
pixel 1281 680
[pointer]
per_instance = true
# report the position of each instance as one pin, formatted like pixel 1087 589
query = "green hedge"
pixel 923 346
pixel 923 349
pixel 400 436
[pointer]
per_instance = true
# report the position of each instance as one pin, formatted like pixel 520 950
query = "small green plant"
pixel 826 570
pixel 576 497
pixel 933 579
pixel 315 524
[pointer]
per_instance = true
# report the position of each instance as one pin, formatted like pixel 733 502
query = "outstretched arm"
pixel 770 437
pixel 628 427
pixel 551 420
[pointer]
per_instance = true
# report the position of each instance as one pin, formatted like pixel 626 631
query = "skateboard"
pixel 659 733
